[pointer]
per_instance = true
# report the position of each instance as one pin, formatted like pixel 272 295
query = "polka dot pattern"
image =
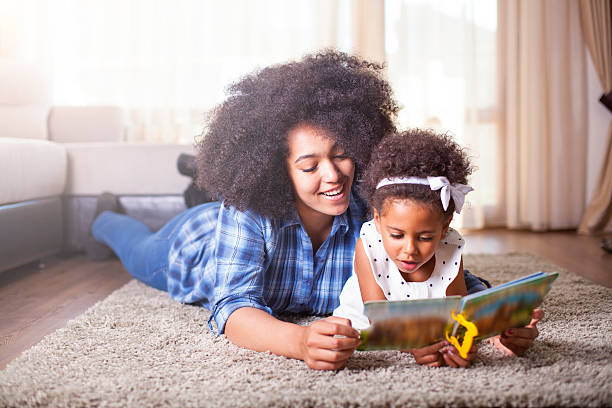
pixel 391 281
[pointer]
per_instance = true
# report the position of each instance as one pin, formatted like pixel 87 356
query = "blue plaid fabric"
pixel 224 259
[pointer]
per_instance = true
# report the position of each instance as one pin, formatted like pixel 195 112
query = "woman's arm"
pixel 316 344
pixel 367 284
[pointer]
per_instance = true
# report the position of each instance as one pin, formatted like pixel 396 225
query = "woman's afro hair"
pixel 414 153
pixel 242 151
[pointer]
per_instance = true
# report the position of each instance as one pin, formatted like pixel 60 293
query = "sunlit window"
pixel 442 64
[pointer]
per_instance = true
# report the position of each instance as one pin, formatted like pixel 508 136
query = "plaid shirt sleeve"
pixel 240 264
pixel 217 260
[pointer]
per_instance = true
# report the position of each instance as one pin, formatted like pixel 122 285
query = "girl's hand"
pixel 430 355
pixel 518 341
pixel 453 359
pixel 322 349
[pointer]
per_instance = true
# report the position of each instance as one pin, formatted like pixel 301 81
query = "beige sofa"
pixel 55 160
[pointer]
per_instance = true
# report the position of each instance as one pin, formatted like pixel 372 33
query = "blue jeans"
pixel 143 253
pixel 473 283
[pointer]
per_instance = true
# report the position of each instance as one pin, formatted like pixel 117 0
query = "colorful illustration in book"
pixel 468 337
pixel 417 323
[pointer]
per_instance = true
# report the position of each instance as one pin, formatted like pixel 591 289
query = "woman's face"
pixel 320 171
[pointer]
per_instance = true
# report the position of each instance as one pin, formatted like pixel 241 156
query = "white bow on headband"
pixel 447 190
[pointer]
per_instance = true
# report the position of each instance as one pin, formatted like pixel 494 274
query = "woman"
pixel 283 152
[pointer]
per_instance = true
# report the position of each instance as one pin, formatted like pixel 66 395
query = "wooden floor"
pixel 36 300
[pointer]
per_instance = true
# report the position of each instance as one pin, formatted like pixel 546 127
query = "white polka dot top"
pixel 390 280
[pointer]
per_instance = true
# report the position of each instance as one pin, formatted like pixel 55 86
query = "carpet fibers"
pixel 139 348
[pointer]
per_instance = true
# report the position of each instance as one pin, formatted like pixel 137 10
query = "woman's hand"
pixel 518 341
pixel 328 343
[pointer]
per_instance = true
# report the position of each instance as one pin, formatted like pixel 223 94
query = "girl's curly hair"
pixel 414 153
pixel 242 151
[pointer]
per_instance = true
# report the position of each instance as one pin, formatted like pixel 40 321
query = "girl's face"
pixel 321 173
pixel 410 233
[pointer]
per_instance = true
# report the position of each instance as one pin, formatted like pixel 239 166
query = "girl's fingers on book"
pixel 453 359
pixel 515 344
pixel 538 314
pixel 431 349
pixel 522 333
pixel 497 341
pixel 432 360
pixel 430 355
pixel 437 363
pixel 448 359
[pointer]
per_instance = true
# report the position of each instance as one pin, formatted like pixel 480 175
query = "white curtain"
pixel 442 64
pixel 166 61
pixel 507 79
pixel 543 121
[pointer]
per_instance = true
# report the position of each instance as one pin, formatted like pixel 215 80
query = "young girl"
pixel 414 183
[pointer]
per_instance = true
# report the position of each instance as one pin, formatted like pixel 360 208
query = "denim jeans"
pixel 143 253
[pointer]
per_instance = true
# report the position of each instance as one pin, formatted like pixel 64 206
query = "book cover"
pixel 417 323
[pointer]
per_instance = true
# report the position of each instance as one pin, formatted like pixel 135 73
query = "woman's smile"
pixel 334 194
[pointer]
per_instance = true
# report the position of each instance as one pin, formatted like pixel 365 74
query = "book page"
pixel 506 306
pixel 408 323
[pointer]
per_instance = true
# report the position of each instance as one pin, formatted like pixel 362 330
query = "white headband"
pixel 457 191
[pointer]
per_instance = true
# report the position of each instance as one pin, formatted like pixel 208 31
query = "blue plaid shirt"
pixel 224 259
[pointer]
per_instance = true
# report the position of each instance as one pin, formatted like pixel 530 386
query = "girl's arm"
pixel 457 287
pixel 367 284
pixel 316 344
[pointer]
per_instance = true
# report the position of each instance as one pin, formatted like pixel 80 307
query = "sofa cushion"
pixel 70 124
pixel 125 168
pixel 23 122
pixel 31 169
pixel 24 101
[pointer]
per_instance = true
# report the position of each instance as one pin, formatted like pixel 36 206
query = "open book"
pixel 417 323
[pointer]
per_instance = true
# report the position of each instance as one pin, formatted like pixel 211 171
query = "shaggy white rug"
pixel 139 348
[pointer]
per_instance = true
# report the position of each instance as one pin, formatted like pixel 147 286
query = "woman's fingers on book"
pixel 335 326
pixel 326 365
pixel 323 354
pixel 325 359
pixel 332 356
pixel 328 343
